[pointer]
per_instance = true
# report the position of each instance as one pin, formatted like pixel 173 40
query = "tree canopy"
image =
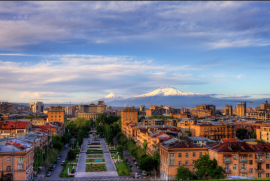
pixel 183 173
pixel 146 163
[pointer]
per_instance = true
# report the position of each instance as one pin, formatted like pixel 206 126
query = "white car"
pixel 144 173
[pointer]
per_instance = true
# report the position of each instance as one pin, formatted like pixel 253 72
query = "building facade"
pixel 56 114
pixel 128 114
pixel 228 110
pixel 37 107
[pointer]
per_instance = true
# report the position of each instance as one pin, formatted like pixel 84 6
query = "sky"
pixel 82 51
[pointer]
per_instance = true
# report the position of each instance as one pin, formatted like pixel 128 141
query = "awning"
pixel 259 153
pixel 243 154
pixel 227 155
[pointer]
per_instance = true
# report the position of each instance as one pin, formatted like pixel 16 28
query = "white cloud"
pixel 240 76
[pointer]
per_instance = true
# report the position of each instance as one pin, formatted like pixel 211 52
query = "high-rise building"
pixel 228 110
pixel 5 107
pixel 128 114
pixel 241 109
pixel 142 108
pixel 37 107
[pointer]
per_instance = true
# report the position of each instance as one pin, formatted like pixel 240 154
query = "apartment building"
pixel 228 110
pixel 241 158
pixel 142 108
pixel 13 129
pixel 17 160
pixel 70 111
pixel 128 114
pixel 175 152
pixel 214 130
pixel 261 114
pixel 250 125
pixel 264 132
pixel 37 107
pixel 152 122
pixel 200 141
pixel 56 114
pixel 39 121
pixel 241 109
pixel 5 107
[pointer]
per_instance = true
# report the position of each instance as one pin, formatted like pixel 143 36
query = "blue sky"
pixel 82 51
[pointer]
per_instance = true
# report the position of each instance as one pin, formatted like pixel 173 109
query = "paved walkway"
pixel 82 161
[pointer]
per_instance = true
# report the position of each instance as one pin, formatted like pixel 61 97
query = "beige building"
pixel 70 111
pixel 92 111
pixel 37 107
pixel 259 114
pixel 5 107
pixel 241 109
pixel 228 110
pixel 129 114
pixel 264 133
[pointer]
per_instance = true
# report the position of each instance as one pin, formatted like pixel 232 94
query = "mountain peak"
pixel 168 91
pixel 112 96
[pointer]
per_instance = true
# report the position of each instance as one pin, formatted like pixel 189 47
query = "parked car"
pixel 62 163
pixel 48 174
pixel 127 163
pixel 138 167
pixel 58 158
pixel 136 163
pixel 144 173
pixel 55 162
pixel 51 168
pixel 53 165
pixel 66 145
pixel 136 175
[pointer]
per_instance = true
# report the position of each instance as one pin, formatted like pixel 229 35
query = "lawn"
pixel 75 161
pixel 95 156
pixel 115 156
pixel 64 172
pixel 122 168
pixel 93 160
pixel 94 152
pixel 95 168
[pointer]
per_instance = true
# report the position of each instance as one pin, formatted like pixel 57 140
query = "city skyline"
pixel 76 51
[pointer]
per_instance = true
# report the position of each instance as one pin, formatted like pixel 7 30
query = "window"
pixel 8 168
pixel 267 156
pixel 20 159
pixel 179 155
pixel 251 170
pixel 20 167
pixel 234 166
pixel 234 157
pixel 259 175
pixel 187 162
pixel 243 166
pixel 200 153
pixel 172 155
pixel 194 162
pixel 267 166
pixel 194 170
pixel 214 156
pixel 267 175
pixel 8 159
pixel 194 154
pixel 186 155
pixel 172 162
pixel 180 162
pixel 251 162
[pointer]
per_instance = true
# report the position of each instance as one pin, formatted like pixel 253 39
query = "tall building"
pixel 241 109
pixel 5 107
pixel 91 111
pixel 70 111
pixel 37 107
pixel 142 108
pixel 265 105
pixel 228 110
pixel 128 114
pixel 56 114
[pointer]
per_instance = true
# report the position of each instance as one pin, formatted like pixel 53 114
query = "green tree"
pixel 71 155
pixel 189 134
pixel 146 163
pixel 119 149
pixel 145 144
pixel 208 168
pixel 253 135
pixel 58 145
pixel 242 133
pixel 156 160
pixel 183 173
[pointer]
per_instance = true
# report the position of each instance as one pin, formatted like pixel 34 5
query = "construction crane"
pixel 235 101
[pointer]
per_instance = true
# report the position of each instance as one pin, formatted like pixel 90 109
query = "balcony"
pixel 243 170
pixel 260 160
pixel 227 170
pixel 243 160
pixel 227 161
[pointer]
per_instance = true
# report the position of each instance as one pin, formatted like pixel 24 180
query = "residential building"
pixel 228 110
pixel 241 109
pixel 241 158
pixel 264 132
pixel 261 114
pixel 176 152
pixel 13 129
pixel 39 121
pixel 16 160
pixel 200 141
pixel 129 114
pixel 5 107
pixel 142 108
pixel 56 114
pixel 70 111
pixel 214 130
pixel 152 122
pixel 37 107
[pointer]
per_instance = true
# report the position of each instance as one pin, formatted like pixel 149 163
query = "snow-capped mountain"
pixel 112 96
pixel 168 91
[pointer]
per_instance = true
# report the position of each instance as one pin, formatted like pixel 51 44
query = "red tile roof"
pixel 15 125
pixel 224 140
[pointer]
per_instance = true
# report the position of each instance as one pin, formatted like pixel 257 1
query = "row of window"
pixel 56 116
pixel 186 154
pixel 20 159
pixel 20 167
